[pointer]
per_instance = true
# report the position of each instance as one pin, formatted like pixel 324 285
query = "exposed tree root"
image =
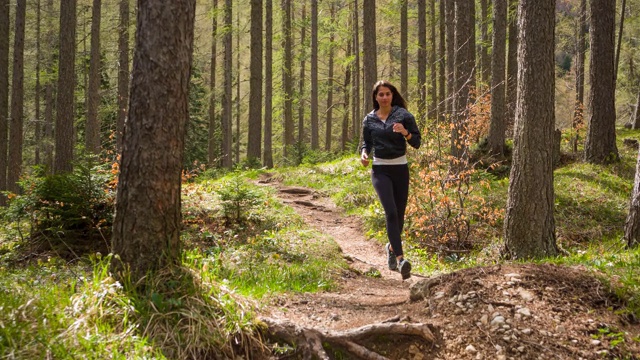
pixel 311 341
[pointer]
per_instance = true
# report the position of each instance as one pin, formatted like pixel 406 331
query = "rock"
pixel 595 342
pixel 420 289
pixel 413 350
pixel 526 331
pixel 470 349
pixel 525 294
pixel 484 319
pixel 498 320
pixel 524 312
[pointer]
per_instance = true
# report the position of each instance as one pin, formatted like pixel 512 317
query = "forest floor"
pixel 506 311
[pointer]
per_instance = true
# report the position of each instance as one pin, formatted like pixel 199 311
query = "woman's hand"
pixel 364 158
pixel 399 128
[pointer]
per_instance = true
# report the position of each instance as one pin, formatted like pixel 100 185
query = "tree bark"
pixel 287 81
pixel 636 114
pixel 512 62
pixel 227 101
pixel 238 80
pixel 357 108
pixel 578 111
pixel 632 225
pixel 49 96
pixel 329 114
pixel 5 9
pixel 315 130
pixel 302 104
pixel 496 137
pixel 16 123
pixel 92 130
pixel 123 71
pixel 214 150
pixel 404 47
pixel 146 231
pixel 38 87
pixel 66 85
pixel 347 100
pixel 255 92
pixel 600 146
pixel 529 222
pixel 370 53
pixel 267 156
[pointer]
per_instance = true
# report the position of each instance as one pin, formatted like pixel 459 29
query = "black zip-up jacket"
pixel 378 135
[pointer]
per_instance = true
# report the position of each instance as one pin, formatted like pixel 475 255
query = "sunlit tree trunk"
pixel 66 85
pixel 267 156
pixel 529 223
pixel 287 76
pixel 92 131
pixel 600 146
pixel 329 119
pixel 147 224
pixel 578 109
pixel 238 80
pixel 632 225
pixel 16 123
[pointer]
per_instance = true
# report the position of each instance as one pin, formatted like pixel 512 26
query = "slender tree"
pixel 529 223
pixel 147 224
pixel 330 81
pixel 442 68
pixel 38 87
pixel 238 79
pixel 66 86
pixel 619 44
pixel 485 59
pixel 302 104
pixel 287 76
pixel 16 123
pixel 92 131
pixel 636 114
pixel 213 153
pixel 267 156
pixel 347 99
pixel 433 87
pixel 632 225
pixel 49 96
pixel 600 146
pixel 578 108
pixel 123 70
pixel 512 61
pixel 4 95
pixel 496 138
pixel 315 136
pixel 370 53
pixel 255 92
pixel 422 61
pixel 227 101
pixel 404 47
pixel 357 109
pixel 450 56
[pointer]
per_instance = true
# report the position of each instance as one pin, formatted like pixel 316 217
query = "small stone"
pixel 526 331
pixel 479 356
pixel 506 338
pixel 458 311
pixel 335 317
pixel 525 294
pixel 498 320
pixel 438 295
pixel 470 349
pixel 595 342
pixel 413 350
pixel 512 275
pixel 524 312
pixel 484 319
pixel 520 348
pixel 560 329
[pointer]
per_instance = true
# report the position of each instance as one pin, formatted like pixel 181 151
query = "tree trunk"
pixel 370 54
pixel 636 114
pixel 422 62
pixel 49 96
pixel 267 156
pixel 227 101
pixel 442 64
pixel 66 85
pixel 287 81
pixel 632 225
pixel 347 100
pixel 404 46
pixel 123 71
pixel 38 89
pixel 512 62
pixel 451 49
pixel 315 136
pixel 238 80
pixel 619 45
pixel 485 60
pixel 302 105
pixel 213 152
pixel 255 93
pixel 529 222
pixel 433 88
pixel 496 137
pixel 600 146
pixel 329 119
pixel 4 94
pixel 464 75
pixel 92 131
pixel 578 111
pixel 16 124
pixel 146 229
pixel 357 109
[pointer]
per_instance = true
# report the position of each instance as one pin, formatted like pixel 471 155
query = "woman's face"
pixel 384 96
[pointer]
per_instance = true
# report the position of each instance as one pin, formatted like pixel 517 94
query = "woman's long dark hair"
pixel 396 99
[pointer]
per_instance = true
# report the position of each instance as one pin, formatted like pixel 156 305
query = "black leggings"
pixel 392 185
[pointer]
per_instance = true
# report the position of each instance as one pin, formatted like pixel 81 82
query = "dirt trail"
pixel 509 311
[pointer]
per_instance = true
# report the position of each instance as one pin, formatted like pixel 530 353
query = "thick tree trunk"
pixel 464 75
pixel 496 137
pixel 632 225
pixel 92 131
pixel 16 123
pixel 146 231
pixel 227 101
pixel 370 53
pixel 66 85
pixel 254 141
pixel 4 94
pixel 123 71
pixel 600 146
pixel 267 156
pixel 529 222
pixel 214 150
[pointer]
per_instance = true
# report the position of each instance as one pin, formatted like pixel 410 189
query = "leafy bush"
pixel 73 209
